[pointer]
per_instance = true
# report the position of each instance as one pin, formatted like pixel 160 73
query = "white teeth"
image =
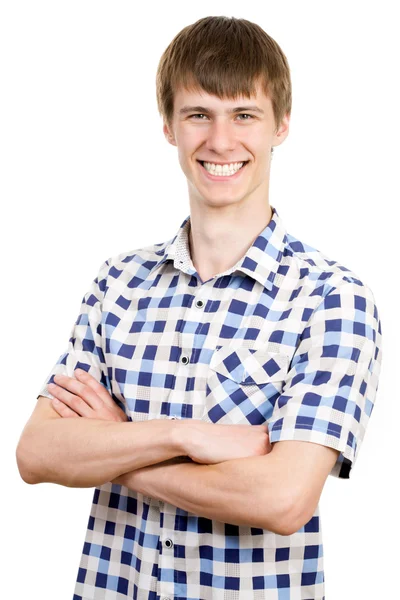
pixel 222 169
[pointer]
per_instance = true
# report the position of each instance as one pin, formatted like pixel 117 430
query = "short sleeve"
pixel 330 388
pixel 84 349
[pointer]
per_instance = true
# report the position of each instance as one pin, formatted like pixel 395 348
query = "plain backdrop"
pixel 86 173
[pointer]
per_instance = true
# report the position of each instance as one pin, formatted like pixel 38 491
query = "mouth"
pixel 222 176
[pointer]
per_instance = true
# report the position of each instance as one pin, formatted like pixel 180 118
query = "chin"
pixel 219 201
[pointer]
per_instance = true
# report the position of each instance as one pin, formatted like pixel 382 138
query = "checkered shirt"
pixel 285 337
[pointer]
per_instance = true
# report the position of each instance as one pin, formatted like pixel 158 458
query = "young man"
pixel 224 374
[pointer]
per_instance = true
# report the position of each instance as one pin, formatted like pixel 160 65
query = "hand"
pixel 210 443
pixel 84 397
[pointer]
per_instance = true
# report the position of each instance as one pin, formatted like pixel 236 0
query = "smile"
pixel 219 174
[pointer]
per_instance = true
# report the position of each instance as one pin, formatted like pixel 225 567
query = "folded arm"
pixel 88 452
pixel 244 491
pixel 278 491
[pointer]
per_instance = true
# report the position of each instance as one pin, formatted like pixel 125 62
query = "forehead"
pixel 184 97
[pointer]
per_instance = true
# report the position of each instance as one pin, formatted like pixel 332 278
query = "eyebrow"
pixel 202 109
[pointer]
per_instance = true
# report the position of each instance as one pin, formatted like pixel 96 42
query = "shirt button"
pixel 185 360
pixel 173 417
pixel 199 304
pixel 168 543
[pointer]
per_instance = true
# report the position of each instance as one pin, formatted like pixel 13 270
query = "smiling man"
pixel 212 382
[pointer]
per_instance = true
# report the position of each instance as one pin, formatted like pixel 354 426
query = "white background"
pixel 86 173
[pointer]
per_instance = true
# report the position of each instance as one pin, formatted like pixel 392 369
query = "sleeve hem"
pixel 346 458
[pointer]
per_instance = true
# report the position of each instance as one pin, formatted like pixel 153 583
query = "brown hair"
pixel 226 57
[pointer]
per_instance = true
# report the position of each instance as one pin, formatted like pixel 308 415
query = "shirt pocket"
pixel 243 385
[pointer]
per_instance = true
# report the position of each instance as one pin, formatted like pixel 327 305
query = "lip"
pixel 227 162
pixel 219 177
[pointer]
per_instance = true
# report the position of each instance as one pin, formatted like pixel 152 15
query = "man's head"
pixel 215 65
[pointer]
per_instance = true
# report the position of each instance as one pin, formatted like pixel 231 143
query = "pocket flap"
pixel 247 366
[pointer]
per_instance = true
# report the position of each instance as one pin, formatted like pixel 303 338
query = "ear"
pixel 282 132
pixel 169 136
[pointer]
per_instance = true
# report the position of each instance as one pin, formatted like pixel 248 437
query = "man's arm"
pixel 244 491
pixel 278 491
pixel 60 447
pixel 89 452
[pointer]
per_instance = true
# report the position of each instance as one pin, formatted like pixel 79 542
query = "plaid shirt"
pixel 285 337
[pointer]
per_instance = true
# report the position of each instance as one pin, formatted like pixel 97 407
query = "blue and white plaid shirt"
pixel 286 337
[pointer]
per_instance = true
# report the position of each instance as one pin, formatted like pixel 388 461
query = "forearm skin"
pixel 243 491
pixel 84 452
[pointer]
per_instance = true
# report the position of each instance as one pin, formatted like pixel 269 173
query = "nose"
pixel 221 136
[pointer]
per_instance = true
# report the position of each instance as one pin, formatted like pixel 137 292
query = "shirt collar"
pixel 261 261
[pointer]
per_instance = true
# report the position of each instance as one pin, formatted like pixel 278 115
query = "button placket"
pixel 166 556
pixel 185 359
pixel 184 345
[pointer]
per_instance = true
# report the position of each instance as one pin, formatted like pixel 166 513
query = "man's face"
pixel 205 129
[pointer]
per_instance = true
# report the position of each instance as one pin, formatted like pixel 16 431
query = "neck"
pixel 219 238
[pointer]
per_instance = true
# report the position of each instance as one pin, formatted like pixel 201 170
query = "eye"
pixel 240 115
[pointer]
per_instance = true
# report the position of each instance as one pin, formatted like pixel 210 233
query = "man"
pixel 221 375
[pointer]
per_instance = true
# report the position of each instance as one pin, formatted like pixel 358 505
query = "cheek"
pixel 184 165
pixel 188 149
pixel 257 140
pixel 262 154
pixel 190 140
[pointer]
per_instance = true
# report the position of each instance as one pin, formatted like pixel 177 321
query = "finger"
pixel 73 402
pixel 79 389
pixel 62 409
pixel 97 387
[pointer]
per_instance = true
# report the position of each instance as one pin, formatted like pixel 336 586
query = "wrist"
pixel 181 438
